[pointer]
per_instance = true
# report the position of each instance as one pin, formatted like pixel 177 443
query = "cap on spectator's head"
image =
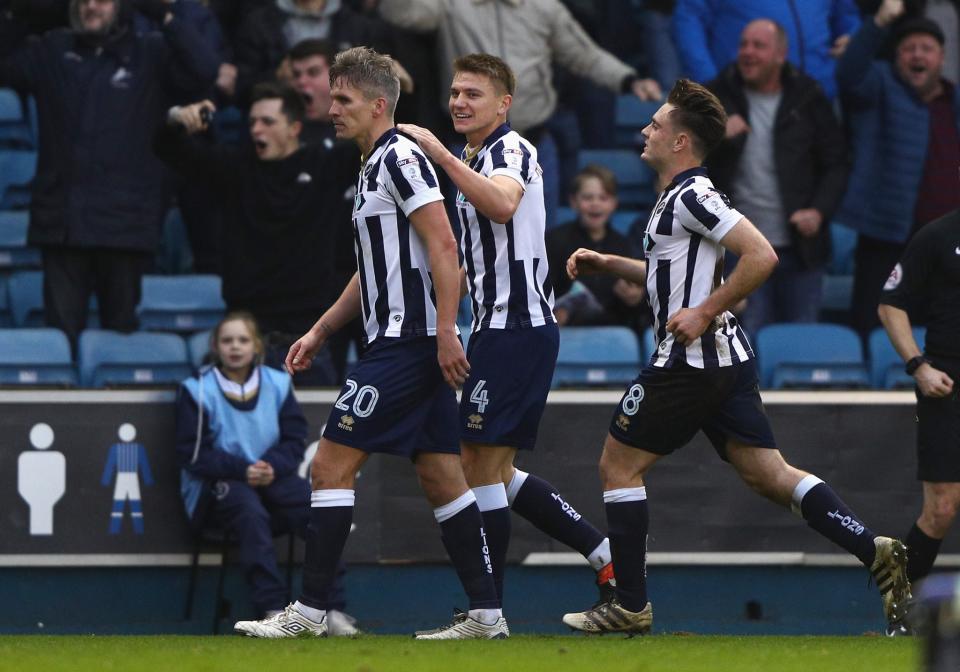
pixel 916 25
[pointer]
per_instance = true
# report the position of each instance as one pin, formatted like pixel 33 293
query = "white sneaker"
pixel 340 624
pixel 288 623
pixel 464 627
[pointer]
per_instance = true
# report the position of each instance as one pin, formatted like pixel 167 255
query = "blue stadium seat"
pixel 198 346
pixel 622 220
pixel 649 344
pixel 837 293
pixel 843 242
pixel 601 356
pixel 565 215
pixel 886 366
pixel 810 356
pixel 631 116
pixel 35 357
pixel 634 178
pixel 14 252
pixel 17 169
pixel 15 132
pixel 25 289
pixel 6 320
pixel 112 359
pixel 183 303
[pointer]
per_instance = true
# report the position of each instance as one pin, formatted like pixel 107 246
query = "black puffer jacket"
pixel 98 183
pixel 808 150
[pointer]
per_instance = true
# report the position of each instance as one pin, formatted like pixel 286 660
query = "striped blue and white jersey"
pixel 685 264
pixel 506 264
pixel 396 288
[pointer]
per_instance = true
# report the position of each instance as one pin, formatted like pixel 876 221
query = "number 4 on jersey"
pixel 479 396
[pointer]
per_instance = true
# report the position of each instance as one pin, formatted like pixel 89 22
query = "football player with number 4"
pixel 514 341
pixel 703 374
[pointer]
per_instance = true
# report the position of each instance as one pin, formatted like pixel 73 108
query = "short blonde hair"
pixel 369 72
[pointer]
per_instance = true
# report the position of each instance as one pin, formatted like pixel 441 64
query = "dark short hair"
pixel 700 112
pixel 310 47
pixel 369 72
pixel 496 69
pixel 292 104
pixel 607 179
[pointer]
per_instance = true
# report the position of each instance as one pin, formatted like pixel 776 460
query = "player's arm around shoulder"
pixel 496 198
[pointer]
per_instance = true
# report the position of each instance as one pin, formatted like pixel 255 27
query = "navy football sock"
pixel 331 514
pixel 628 520
pixel 921 553
pixel 492 501
pixel 825 512
pixel 539 502
pixel 461 529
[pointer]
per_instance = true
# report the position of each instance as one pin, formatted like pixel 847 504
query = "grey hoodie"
pixel 302 25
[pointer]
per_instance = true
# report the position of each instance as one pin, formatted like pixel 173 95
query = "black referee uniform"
pixel 927 282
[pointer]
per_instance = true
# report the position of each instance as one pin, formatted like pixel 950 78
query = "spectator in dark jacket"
pixel 283 212
pixel 97 200
pixel 784 163
pixel 905 123
pixel 593 299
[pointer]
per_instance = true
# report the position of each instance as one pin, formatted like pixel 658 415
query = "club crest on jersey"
pixel 475 421
pixel 896 275
pixel 346 423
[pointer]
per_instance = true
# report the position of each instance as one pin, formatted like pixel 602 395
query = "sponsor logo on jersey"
pixel 623 422
pixel 346 423
pixel 475 421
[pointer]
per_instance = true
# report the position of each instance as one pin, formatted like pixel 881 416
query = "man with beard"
pixel 97 197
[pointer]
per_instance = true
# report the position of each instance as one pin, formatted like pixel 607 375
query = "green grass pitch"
pixel 524 653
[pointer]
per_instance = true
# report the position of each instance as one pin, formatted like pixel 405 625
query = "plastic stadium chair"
pixel 836 293
pixel 622 220
pixel 843 243
pixel 35 357
pixel 182 303
pixel 634 178
pixel 886 366
pixel 25 289
pixel 198 346
pixel 17 169
pixel 631 115
pixel 112 359
pixel 565 215
pixel 810 356
pixel 6 320
pixel 14 252
pixel 15 131
pixel 602 356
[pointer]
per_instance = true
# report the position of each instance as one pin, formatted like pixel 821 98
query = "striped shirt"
pixel 685 264
pixel 506 264
pixel 396 289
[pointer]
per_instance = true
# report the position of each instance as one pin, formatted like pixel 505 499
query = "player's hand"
pixel 453 361
pixel 300 355
pixel 807 221
pixel 933 382
pixel 428 141
pixel 736 125
pixel 839 46
pixel 585 262
pixel 647 89
pixel 629 293
pixel 889 11
pixel 190 116
pixel 688 324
